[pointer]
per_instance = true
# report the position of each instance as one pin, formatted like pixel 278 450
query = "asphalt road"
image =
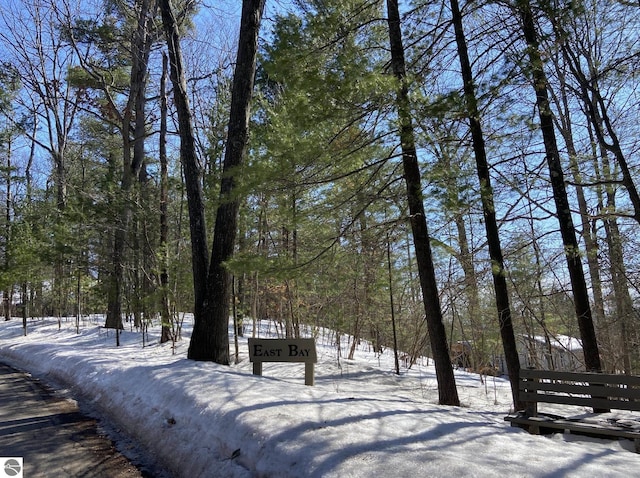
pixel 51 435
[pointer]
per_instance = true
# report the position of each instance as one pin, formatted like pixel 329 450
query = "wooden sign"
pixel 284 350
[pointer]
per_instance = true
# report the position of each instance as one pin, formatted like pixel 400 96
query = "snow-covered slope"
pixel 359 420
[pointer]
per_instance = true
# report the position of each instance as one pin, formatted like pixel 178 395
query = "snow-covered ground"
pixel 359 420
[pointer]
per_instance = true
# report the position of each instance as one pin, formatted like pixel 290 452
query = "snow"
pixel 200 419
pixel 561 341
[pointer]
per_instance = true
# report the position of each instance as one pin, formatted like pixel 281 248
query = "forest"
pixel 448 179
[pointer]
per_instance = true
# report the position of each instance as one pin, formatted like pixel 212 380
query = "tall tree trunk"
pixel 448 394
pixel 623 302
pixel 589 237
pixel 133 119
pixel 145 247
pixel 165 315
pixel 210 339
pixel 567 230
pixel 491 225
pixel 8 291
pixel 471 292
pixel 190 162
pixel 33 310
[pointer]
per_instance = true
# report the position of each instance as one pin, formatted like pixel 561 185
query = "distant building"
pixel 559 352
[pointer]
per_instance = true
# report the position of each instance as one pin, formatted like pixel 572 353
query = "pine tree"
pixel 448 394
pixel 488 208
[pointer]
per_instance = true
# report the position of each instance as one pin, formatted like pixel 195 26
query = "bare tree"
pixel 189 157
pixel 486 196
pixel 448 394
pixel 211 334
pixel 31 40
pixel 210 338
pixel 165 314
pixel 597 110
pixel 556 174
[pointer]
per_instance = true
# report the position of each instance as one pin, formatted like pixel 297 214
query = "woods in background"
pixel 471 164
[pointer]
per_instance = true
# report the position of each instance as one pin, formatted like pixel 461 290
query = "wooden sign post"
pixel 284 350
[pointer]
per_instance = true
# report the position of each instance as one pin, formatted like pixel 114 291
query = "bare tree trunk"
pixel 541 317
pixel 471 292
pixel 602 126
pixel 564 122
pixel 189 158
pixel 448 394
pixel 623 302
pixel 210 338
pixel 212 335
pixel 567 230
pixel 165 315
pixel 491 225
pixel 8 291
pixel 133 115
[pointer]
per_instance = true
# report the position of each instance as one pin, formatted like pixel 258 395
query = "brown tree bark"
pixel 7 293
pixel 624 312
pixel 447 392
pixel 564 123
pixel 210 337
pixel 189 158
pixel 491 225
pixel 210 340
pixel 165 314
pixel 565 221
pixel 133 120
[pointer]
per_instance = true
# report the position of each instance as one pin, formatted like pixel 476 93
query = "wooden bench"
pixel 599 392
